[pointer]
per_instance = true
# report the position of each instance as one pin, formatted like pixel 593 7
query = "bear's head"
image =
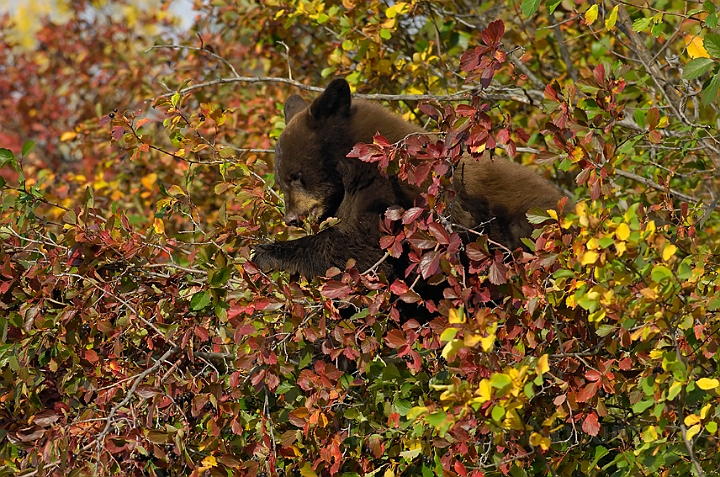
pixel 309 151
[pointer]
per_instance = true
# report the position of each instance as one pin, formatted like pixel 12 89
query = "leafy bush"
pixel 139 338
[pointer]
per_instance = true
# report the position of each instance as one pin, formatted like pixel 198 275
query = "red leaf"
pixel 511 148
pixel 376 447
pixel 380 140
pixel 335 289
pixel 386 241
pixel 497 273
pixel 493 33
pixel 460 468
pixel 503 136
pixel 430 263
pixel 410 297
pixel 591 424
pixel 551 93
pixel 91 355
pixel 430 110
pixel 593 375
pixel 465 110
pixel 117 132
pixel 398 287
pixel 475 252
pixel 395 339
pixel 439 232
pixel 599 74
pixel 469 60
pixel 411 215
pixel 588 392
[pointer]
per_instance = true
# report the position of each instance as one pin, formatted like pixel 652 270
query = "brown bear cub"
pixel 319 180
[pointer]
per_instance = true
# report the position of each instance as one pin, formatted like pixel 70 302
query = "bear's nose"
pixel 293 219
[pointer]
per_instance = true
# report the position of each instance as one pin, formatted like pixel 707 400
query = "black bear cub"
pixel 319 180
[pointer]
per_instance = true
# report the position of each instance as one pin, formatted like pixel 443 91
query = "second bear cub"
pixel 318 179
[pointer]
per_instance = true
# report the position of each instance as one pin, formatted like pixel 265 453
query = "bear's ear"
pixel 335 100
pixel 293 105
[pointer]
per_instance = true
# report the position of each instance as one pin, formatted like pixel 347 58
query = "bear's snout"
pixel 293 219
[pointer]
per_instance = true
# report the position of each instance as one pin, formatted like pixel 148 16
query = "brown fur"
pixel 318 179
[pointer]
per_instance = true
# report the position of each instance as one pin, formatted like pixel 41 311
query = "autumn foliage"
pixel 136 170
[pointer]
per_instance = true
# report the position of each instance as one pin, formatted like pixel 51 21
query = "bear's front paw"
pixel 264 258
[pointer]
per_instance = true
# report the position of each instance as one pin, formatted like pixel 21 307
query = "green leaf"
pixel 710 92
pixel 436 418
pixel 175 99
pixel 6 155
pixel 697 67
pixel 403 406
pixel 499 380
pixel 641 24
pixel 641 406
pixel 284 387
pixel 552 5
pixel 27 147
pixel 529 7
pixel 709 6
pixel 218 278
pixel 712 20
pixel 712 44
pixel 200 300
pixel 498 412
pixel 661 273
pixel 537 216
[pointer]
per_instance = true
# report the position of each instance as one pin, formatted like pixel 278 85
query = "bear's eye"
pixel 295 176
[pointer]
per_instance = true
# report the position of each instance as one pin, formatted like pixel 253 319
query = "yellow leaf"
pixel 612 18
pixel 591 14
pixel 209 461
pixel 484 391
pixel 543 366
pixel 705 410
pixel 451 349
pixel 648 293
pixel 159 226
pixel 707 384
pixel 537 439
pixel 68 136
pixel 696 49
pixel 471 339
pixel 149 180
pixel 389 472
pixel 176 191
pixel 589 257
pixel 552 213
pixel 397 9
pixel 691 419
pixel 578 153
pixel 650 434
pixel 668 252
pixel 416 412
pixel 456 316
pixel 487 342
pixel 623 231
pixel 692 432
